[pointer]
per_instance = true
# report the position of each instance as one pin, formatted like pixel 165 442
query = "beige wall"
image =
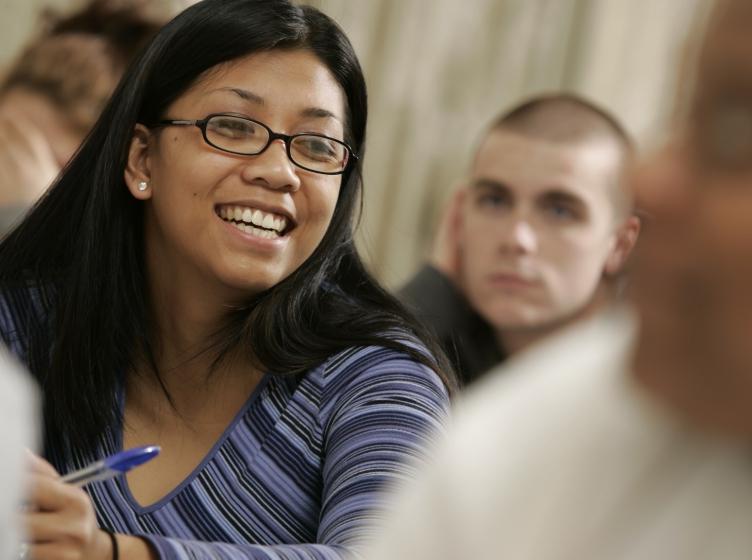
pixel 438 70
pixel 19 19
pixel 17 22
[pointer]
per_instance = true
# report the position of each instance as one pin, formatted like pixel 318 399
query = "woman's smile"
pixel 254 221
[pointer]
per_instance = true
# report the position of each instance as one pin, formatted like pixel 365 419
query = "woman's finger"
pixel 37 465
pixel 50 494
pixel 54 526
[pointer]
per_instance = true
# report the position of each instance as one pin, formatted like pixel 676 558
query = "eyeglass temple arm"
pixel 180 122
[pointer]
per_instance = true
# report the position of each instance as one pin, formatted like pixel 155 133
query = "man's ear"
pixel 445 253
pixel 625 240
pixel 138 169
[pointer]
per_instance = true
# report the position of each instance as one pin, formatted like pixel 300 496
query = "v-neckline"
pixel 137 507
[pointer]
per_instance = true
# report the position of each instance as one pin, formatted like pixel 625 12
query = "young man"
pixel 617 441
pixel 534 238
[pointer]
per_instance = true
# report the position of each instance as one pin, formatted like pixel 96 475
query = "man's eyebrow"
pixel 246 95
pixel 566 197
pixel 493 184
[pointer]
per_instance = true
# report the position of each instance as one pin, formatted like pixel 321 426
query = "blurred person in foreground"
pixel 54 91
pixel 622 440
pixel 18 432
pixel 536 236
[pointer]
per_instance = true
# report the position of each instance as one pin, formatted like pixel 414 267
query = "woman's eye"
pixel 317 147
pixel 234 128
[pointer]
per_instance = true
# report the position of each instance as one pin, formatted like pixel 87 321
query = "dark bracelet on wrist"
pixel 113 540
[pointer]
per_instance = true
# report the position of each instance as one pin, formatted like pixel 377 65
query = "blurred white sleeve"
pixel 18 431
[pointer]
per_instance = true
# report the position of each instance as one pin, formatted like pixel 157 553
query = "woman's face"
pixel 201 202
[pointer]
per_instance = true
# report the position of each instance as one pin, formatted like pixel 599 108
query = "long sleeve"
pixel 379 410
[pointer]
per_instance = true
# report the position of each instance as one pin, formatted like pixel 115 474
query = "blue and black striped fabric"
pixel 297 474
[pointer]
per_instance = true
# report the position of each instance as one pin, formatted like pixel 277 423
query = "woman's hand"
pixel 59 520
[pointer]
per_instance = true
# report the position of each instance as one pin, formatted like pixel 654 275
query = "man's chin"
pixel 518 317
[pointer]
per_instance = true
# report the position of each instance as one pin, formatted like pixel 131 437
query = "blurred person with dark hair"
pixel 628 437
pixel 54 91
pixel 534 238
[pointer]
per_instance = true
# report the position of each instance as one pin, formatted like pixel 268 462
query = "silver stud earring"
pixel 143 185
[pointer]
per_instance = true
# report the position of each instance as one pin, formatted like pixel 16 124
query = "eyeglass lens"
pixel 243 136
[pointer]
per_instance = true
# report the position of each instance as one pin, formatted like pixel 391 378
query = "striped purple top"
pixel 298 472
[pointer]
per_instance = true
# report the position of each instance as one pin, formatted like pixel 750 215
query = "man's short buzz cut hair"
pixel 569 119
pixel 565 118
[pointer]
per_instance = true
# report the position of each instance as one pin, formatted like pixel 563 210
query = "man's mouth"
pixel 513 279
pixel 254 221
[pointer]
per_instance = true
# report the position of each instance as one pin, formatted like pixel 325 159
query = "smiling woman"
pixel 191 281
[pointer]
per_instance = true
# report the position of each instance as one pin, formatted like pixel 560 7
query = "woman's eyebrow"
pixel 243 94
pixel 319 113
pixel 246 95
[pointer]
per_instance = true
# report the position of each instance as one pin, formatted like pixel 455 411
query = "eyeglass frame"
pixel 287 138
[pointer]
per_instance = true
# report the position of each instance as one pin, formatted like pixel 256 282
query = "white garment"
pixel 564 457
pixel 18 430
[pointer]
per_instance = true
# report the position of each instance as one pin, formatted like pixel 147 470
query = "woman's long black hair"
pixel 83 243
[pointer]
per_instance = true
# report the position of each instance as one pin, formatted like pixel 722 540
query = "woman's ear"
pixel 626 238
pixel 137 168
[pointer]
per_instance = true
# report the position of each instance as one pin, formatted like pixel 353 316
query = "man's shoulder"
pixel 434 298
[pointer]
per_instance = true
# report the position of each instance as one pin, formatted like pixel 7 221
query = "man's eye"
pixel 491 200
pixel 561 211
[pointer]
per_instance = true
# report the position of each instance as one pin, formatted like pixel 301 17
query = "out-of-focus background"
pixel 439 70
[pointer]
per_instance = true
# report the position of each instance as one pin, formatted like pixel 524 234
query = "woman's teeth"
pixel 254 221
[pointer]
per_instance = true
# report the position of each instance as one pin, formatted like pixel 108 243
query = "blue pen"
pixel 112 466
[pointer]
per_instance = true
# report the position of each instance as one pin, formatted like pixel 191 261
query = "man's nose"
pixel 520 237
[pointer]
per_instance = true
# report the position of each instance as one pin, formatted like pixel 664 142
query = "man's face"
pixel 693 275
pixel 537 227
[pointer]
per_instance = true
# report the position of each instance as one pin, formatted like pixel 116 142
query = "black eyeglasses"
pixel 246 137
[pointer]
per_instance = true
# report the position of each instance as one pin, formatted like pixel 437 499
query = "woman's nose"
pixel 272 168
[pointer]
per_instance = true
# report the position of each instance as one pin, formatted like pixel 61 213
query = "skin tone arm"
pixel 60 521
pixel 27 162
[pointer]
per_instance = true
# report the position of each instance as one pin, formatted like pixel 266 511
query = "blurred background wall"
pixel 439 70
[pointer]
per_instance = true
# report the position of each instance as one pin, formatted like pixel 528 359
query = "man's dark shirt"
pixel 466 337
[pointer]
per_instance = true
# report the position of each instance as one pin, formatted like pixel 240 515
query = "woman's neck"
pixel 188 311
